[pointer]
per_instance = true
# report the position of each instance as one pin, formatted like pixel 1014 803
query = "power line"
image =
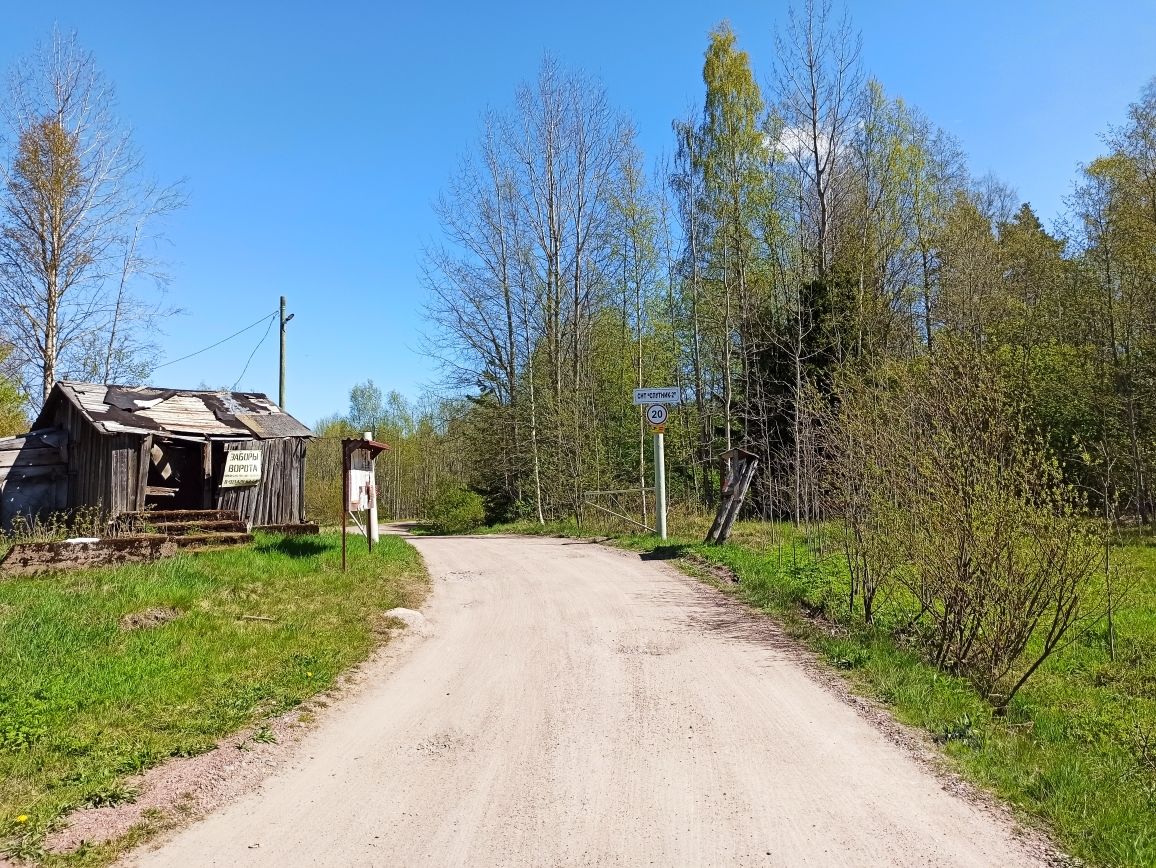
pixel 246 368
pixel 218 343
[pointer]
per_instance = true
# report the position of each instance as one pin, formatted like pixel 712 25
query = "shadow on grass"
pixel 295 546
pixel 664 553
pixel 419 528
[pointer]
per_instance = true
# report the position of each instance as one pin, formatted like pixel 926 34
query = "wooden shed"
pixel 127 449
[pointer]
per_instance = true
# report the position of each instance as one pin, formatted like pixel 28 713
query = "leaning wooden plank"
pixel 736 502
pixel 29 559
pixel 739 466
pixel 727 478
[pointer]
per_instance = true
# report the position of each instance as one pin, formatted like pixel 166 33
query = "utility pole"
pixel 281 382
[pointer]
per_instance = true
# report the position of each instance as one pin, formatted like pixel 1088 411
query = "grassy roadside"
pixel 87 698
pixel 1077 750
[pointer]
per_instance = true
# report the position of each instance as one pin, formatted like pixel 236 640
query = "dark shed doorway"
pixel 176 475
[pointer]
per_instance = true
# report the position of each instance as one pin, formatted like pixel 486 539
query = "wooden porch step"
pixel 155 516
pixel 185 528
pixel 188 528
pixel 211 540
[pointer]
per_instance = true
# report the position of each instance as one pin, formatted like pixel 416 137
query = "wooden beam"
pixel 145 464
pixel 46 438
pixel 345 453
pixel 207 474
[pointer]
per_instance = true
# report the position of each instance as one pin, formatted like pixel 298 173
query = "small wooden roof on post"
pixel 350 445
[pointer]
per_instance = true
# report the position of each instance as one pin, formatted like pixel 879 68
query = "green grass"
pixel 1077 749
pixel 85 703
pixel 532 528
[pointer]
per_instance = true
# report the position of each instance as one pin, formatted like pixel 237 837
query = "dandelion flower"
pixel 23 818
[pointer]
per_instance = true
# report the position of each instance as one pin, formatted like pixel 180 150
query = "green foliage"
pixel 814 232
pixel 82 521
pixel 425 452
pixel 13 419
pixel 944 490
pixel 84 702
pixel 533 528
pixel 457 510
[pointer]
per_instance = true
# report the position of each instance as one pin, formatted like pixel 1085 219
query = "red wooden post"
pixel 348 447
pixel 344 499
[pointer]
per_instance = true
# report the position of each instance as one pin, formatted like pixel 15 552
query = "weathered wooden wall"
pixel 83 467
pixel 103 469
pixel 33 475
pixel 279 498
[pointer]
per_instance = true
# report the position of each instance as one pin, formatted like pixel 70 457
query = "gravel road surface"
pixel 572 705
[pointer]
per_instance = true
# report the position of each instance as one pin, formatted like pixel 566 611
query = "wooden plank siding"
pixel 33 476
pixel 279 497
pixel 103 469
pixel 100 457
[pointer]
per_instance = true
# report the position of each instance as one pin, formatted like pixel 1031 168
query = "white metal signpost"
pixel 656 414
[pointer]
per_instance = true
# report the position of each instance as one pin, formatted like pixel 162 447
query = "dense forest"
pixel 950 396
pixel 809 251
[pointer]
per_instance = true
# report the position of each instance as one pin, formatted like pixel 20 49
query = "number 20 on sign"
pixel 656 416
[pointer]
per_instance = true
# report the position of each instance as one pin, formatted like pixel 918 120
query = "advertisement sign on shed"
pixel 242 467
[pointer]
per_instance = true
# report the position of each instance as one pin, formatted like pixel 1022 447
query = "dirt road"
pixel 576 706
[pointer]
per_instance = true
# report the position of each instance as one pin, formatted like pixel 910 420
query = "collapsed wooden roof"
pixel 218 415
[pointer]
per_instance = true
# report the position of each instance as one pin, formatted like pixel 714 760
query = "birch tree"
pixel 77 222
pixel 526 269
pixel 819 83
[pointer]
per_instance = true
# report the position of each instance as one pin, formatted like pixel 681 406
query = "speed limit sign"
pixel 656 415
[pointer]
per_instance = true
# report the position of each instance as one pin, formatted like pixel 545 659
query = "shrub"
pixel 457 510
pixel 944 488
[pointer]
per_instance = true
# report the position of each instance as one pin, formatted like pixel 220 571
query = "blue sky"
pixel 313 136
